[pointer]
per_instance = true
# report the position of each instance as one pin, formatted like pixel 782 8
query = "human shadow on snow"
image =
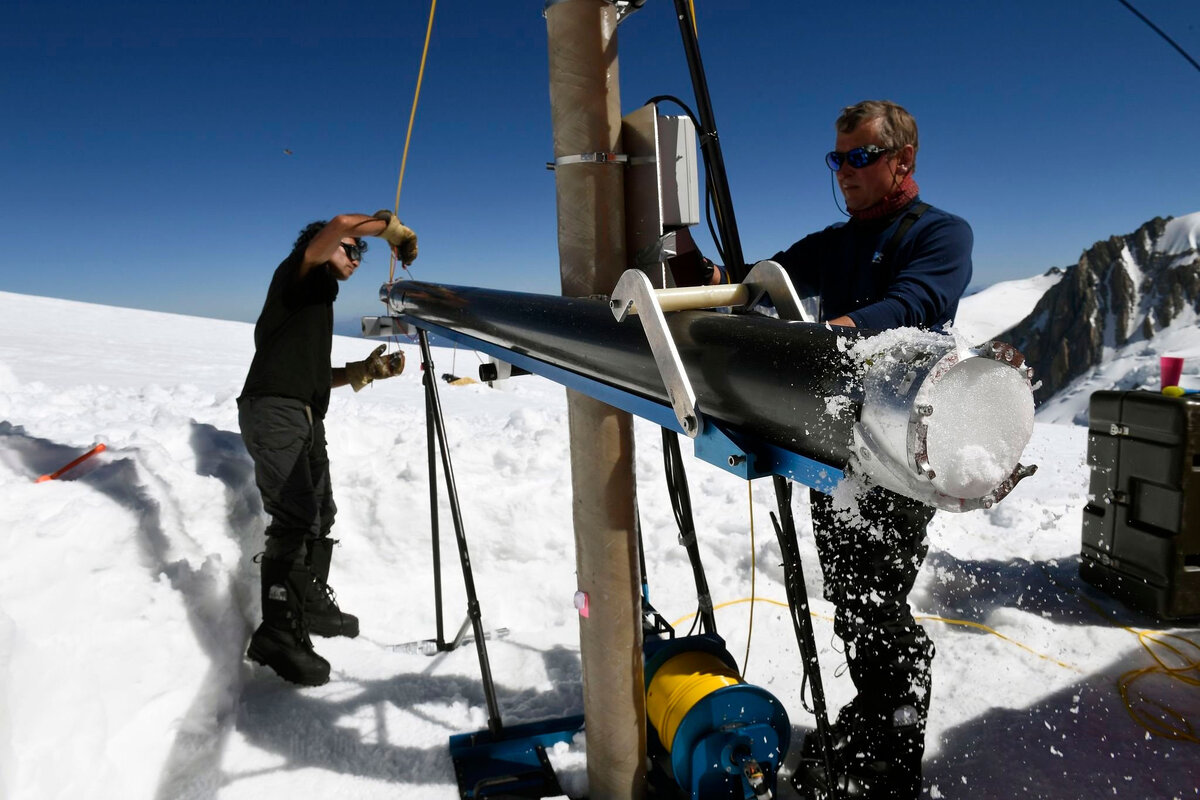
pixel 214 610
pixel 1077 743
pixel 193 768
pixel 352 731
pixel 37 456
pixel 1074 744
pixel 217 612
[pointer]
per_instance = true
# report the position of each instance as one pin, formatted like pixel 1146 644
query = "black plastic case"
pixel 1141 526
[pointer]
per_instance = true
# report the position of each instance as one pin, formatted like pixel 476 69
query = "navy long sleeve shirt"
pixel 843 266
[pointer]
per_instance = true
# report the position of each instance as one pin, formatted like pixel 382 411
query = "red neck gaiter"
pixel 904 194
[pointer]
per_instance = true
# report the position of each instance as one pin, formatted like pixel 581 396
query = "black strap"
pixel 906 223
pixel 885 258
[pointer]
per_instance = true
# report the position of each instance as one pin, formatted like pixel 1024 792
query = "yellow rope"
pixel 1187 671
pixel 1169 724
pixel 944 620
pixel 408 137
pixel 980 626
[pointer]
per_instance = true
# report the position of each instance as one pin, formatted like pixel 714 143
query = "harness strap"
pixel 884 259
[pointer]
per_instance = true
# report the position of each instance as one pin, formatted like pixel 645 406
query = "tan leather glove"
pixel 374 367
pixel 399 236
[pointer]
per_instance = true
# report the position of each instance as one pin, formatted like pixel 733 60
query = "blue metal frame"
pixel 723 447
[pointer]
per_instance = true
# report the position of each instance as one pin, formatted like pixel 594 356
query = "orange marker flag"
pixel 100 448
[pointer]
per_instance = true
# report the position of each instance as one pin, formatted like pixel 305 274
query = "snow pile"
pixel 1181 235
pixel 999 307
pixel 127 590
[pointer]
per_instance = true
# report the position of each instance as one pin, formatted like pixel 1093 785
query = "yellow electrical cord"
pixel 1187 672
pixel 919 618
pixel 1177 727
pixel 408 137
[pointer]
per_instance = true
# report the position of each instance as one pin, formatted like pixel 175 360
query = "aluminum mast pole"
pixel 589 179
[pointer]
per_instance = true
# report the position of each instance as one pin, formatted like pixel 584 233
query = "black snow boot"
pixel 320 603
pixel 281 641
pixel 873 759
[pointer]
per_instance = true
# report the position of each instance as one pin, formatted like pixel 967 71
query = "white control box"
pixel 677 173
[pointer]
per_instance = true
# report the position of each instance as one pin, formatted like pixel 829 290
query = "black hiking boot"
pixel 281 641
pixel 871 760
pixel 320 603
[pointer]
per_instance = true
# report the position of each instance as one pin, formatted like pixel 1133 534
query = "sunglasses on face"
pixel 858 158
pixel 354 252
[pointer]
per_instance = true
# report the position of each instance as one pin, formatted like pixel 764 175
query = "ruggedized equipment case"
pixel 1141 525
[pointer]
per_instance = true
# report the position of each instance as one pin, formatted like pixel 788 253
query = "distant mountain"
pixel 1102 323
pixel 997 308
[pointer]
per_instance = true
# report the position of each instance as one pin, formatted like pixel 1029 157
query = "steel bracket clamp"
pixel 635 295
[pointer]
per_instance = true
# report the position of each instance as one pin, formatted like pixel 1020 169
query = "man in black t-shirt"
pixel 281 412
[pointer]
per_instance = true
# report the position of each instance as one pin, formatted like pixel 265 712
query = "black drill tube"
pixel 766 378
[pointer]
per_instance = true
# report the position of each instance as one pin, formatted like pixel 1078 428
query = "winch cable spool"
pixel 723 735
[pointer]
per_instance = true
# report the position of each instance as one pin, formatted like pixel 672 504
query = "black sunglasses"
pixel 858 158
pixel 354 252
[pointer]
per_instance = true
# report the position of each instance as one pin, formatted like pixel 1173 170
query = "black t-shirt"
pixel 294 336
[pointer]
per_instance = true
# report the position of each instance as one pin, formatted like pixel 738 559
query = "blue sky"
pixel 143 144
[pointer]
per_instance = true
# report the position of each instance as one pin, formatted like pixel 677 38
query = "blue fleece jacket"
pixel 842 265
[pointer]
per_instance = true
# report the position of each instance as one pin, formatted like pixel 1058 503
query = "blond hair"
pixel 897 127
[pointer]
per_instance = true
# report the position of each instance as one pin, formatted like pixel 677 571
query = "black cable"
pixel 681 505
pixel 1160 32
pixel 672 98
pixel 709 201
pixel 833 190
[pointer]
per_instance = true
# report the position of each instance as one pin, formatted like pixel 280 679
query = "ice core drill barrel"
pixel 918 412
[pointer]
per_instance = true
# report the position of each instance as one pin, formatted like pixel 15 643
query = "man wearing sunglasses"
pixel 897 262
pixel 281 412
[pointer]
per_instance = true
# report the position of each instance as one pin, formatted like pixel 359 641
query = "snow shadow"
pixel 1086 730
pixel 972 589
pixel 355 729
pixel 221 630
pixel 222 455
pixel 36 456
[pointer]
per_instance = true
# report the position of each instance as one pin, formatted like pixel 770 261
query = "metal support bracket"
pixel 382 327
pixel 591 158
pixel 635 288
pixel 634 294
pixel 768 279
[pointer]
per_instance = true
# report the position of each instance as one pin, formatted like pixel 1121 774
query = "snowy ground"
pixel 127 591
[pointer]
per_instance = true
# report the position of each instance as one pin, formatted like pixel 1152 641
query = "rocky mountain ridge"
pixel 1123 290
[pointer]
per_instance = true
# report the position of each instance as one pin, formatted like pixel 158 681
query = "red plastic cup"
pixel 1170 368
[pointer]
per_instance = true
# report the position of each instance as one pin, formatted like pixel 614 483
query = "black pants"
pixel 291 469
pixel 869 561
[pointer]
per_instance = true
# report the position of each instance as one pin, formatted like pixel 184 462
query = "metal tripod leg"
pixel 433 409
pixel 431 440
pixel 797 595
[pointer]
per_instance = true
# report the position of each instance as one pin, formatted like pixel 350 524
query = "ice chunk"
pixel 982 418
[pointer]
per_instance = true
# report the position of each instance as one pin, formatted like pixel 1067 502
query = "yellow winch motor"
pixel 724 737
